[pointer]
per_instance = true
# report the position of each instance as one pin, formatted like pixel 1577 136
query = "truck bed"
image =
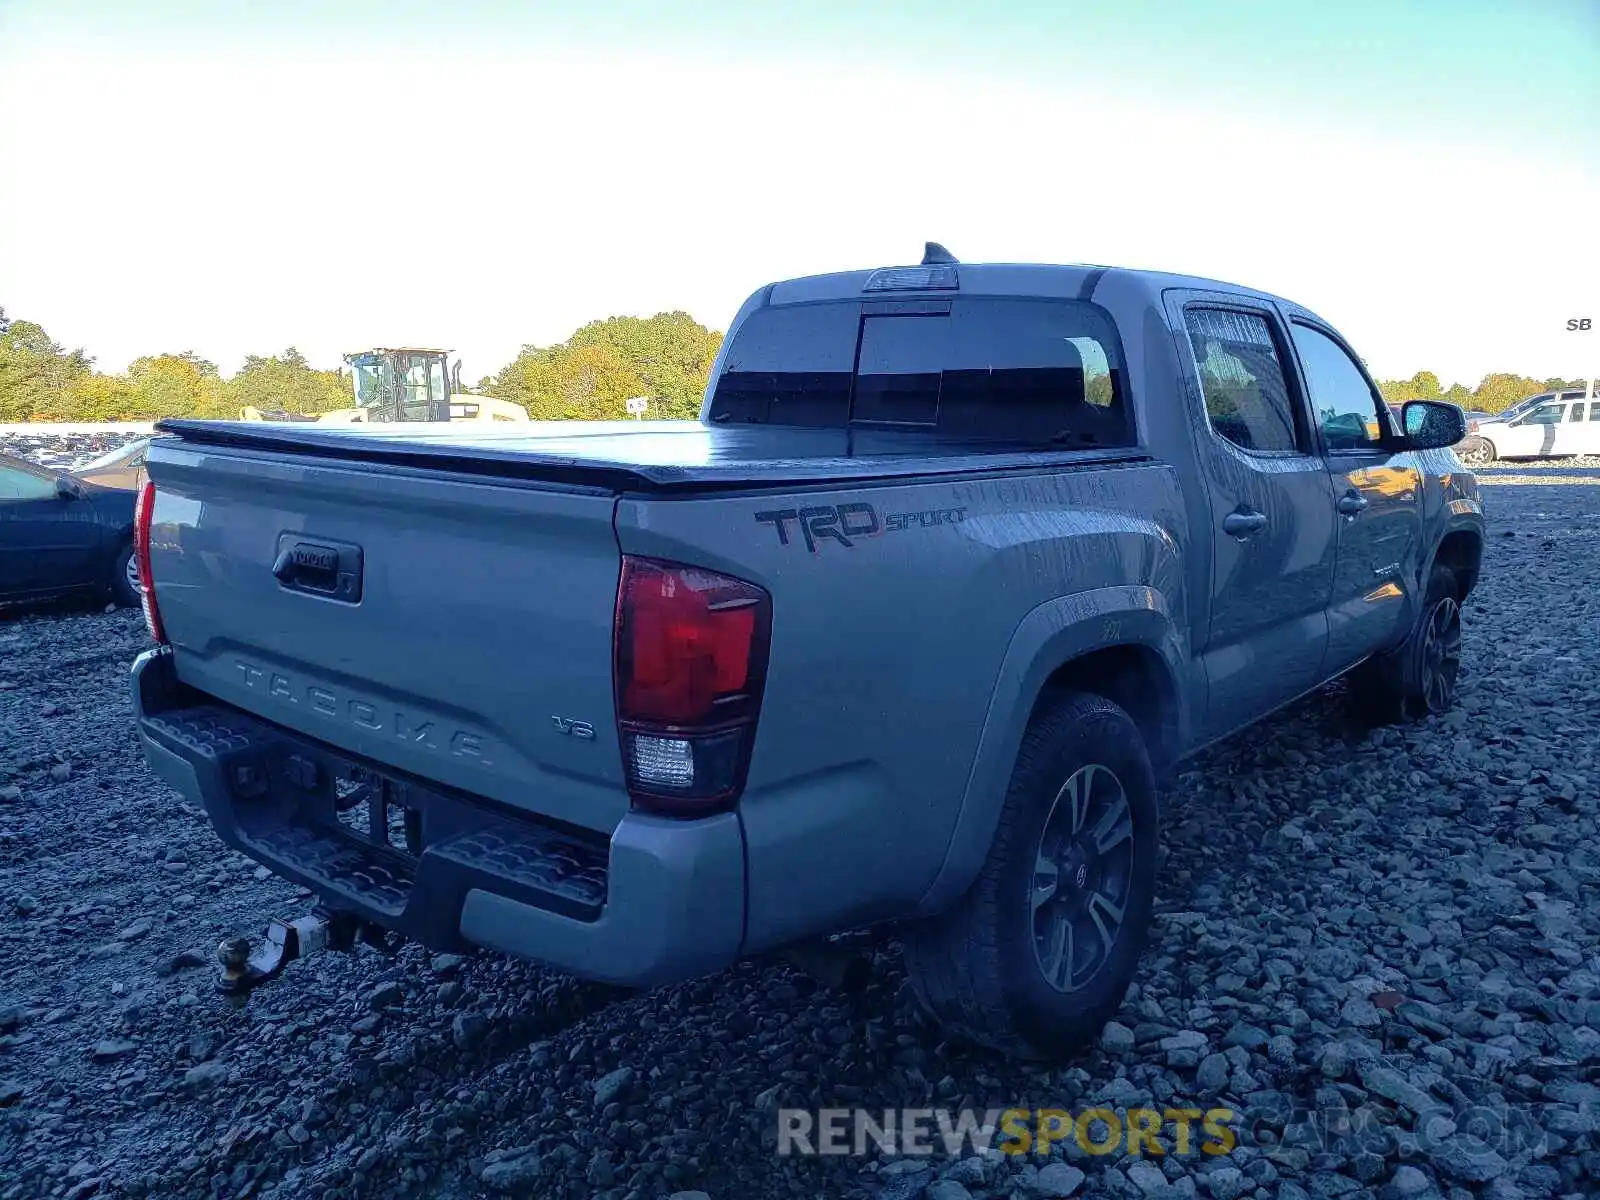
pixel 661 457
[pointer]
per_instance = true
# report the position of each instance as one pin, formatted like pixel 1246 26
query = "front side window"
pixel 24 485
pixel 1342 400
pixel 1242 380
pixel 372 383
pixel 1550 414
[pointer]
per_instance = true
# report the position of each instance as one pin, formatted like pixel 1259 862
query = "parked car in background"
pixel 1155 508
pixel 1551 425
pixel 122 468
pixel 60 535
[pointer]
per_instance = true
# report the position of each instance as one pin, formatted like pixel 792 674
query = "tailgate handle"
pixel 331 569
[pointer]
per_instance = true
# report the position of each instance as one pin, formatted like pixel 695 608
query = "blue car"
pixel 60 536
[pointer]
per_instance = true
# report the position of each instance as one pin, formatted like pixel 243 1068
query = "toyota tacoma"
pixel 958 561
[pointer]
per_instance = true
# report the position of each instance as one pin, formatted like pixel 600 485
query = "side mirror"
pixel 68 488
pixel 1432 424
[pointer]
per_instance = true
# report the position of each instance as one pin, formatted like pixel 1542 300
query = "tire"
pixel 980 968
pixel 124 589
pixel 1476 452
pixel 1418 678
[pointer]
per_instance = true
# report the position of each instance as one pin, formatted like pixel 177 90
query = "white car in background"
pixel 1555 425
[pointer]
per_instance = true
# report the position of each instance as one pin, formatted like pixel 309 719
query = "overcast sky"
pixel 233 178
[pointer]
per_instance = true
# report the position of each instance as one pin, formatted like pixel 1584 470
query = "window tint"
pixel 1020 371
pixel 1341 398
pixel 791 366
pixel 1550 414
pixel 1576 414
pixel 1594 410
pixel 1241 377
pixel 899 371
pixel 24 485
pixel 1034 371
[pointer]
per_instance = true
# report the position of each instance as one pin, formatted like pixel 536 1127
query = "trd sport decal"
pixel 845 523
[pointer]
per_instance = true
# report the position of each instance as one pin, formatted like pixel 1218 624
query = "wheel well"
pixel 1462 552
pixel 1134 678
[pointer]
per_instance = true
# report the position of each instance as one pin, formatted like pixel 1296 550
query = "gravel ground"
pixel 1374 924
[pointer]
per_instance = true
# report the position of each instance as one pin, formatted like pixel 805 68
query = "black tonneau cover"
pixel 660 457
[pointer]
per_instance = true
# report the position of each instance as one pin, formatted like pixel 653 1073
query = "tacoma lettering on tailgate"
pixel 364 714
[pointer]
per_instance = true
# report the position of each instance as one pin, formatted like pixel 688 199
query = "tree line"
pixel 1494 393
pixel 590 376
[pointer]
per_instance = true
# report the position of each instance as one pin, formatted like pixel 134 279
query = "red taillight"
pixel 691 658
pixel 143 508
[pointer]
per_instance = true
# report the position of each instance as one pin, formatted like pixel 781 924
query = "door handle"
pixel 1351 503
pixel 332 570
pixel 1244 523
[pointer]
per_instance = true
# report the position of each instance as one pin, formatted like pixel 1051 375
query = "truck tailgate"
pixel 455 628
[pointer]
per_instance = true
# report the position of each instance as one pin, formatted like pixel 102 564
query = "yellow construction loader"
pixel 406 383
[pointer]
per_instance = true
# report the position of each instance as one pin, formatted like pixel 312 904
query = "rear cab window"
pixel 983 369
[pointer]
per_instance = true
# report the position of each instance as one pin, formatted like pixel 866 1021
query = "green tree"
pixel 671 352
pixel 665 358
pixel 177 385
pixel 569 383
pixel 36 374
pixel 96 397
pixel 1427 385
pixel 1397 391
pixel 287 381
pixel 1497 392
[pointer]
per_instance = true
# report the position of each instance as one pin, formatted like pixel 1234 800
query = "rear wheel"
pixel 1476 452
pixel 1038 954
pixel 125 578
pixel 1418 679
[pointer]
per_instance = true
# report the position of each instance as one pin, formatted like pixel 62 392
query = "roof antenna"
pixel 933 253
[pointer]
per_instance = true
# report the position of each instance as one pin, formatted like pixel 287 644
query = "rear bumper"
pixel 657 901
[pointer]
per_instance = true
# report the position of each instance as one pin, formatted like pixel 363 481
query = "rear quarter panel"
pixel 887 653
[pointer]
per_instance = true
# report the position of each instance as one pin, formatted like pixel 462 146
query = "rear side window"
pixel 1241 377
pixel 1594 410
pixel 1019 371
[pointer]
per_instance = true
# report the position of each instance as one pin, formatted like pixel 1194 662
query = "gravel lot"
pixel 64 452
pixel 1367 923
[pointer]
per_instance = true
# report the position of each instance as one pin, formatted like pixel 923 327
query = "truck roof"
pixel 1067 281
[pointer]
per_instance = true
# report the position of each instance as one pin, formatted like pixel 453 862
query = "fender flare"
pixel 1048 638
pixel 1464 516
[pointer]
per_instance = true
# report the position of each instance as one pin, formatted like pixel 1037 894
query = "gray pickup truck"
pixel 957 562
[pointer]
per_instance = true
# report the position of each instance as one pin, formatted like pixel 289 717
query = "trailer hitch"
pixel 286 940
